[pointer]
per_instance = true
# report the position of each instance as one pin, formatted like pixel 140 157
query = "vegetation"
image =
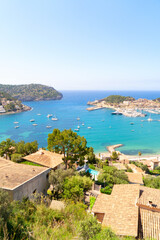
pixel 71 145
pixel 75 187
pixel 153 182
pixel 35 220
pixel 114 155
pixel 31 92
pixel 56 179
pixel 15 151
pixel 141 165
pixel 92 201
pixel 110 176
pixel 117 99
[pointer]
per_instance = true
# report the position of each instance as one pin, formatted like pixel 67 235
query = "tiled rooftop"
pixel 14 174
pixel 45 158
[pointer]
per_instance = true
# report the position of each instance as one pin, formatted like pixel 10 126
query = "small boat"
pixel 132 123
pixel 34 124
pixel 38 114
pixel 32 120
pixel 48 126
pixel 82 124
pixel 16 127
pixel 116 113
pixel 78 127
pixel 49 115
pixel 76 130
pixel 132 130
pixel 16 122
pixel 142 120
pixel 78 118
pixel 89 127
pixel 149 119
pixel 54 118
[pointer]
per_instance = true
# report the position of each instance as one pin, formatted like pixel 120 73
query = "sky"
pixel 81 44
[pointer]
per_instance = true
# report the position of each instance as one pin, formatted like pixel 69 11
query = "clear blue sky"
pixel 81 44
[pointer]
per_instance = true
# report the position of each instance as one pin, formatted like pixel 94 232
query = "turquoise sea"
pixel 106 129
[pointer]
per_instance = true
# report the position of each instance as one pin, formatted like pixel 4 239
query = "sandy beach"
pixel 112 148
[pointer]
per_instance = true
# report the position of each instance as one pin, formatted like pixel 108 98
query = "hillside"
pixel 31 92
pixel 9 104
pixel 117 99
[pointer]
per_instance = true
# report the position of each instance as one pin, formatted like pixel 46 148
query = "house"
pixel 130 210
pixel 21 180
pixel 151 164
pixel 46 159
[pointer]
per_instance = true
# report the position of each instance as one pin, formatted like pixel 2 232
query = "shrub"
pixel 92 201
pixel 16 157
pixel 89 228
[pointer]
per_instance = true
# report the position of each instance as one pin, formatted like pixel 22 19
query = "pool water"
pixel 93 172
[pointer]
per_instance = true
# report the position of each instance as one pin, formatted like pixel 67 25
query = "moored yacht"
pixel 49 115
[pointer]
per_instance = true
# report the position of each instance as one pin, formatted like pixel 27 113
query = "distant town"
pixel 127 106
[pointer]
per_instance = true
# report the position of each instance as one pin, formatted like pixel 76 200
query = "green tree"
pixel 70 144
pixel 110 176
pixel 31 147
pixel 7 148
pixel 26 148
pixel 75 187
pixel 106 234
pixel 56 179
pixel 114 155
pixel 89 228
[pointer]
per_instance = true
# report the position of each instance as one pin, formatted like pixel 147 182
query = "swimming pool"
pixel 93 172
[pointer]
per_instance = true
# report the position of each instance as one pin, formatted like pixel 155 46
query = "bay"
pixel 105 130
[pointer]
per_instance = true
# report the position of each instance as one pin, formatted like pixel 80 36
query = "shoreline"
pixel 112 148
pixel 9 113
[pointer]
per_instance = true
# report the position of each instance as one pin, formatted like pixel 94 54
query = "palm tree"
pixel 139 154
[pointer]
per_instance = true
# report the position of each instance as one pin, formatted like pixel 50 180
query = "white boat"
pixel 149 119
pixel 34 124
pixel 78 127
pixel 54 118
pixel 49 115
pixel 82 124
pixel 78 118
pixel 132 130
pixel 89 127
pixel 48 126
pixel 76 130
pixel 38 114
pixel 32 120
pixel 16 127
pixel 16 122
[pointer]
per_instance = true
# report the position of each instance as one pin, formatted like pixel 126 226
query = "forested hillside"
pixel 31 92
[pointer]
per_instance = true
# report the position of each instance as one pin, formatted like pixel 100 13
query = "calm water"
pixel 106 129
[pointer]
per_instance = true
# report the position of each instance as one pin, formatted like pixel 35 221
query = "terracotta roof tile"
pixel 45 158
pixel 14 174
pixel 135 177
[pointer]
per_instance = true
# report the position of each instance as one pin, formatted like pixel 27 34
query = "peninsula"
pixel 10 105
pixel 127 106
pixel 31 92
